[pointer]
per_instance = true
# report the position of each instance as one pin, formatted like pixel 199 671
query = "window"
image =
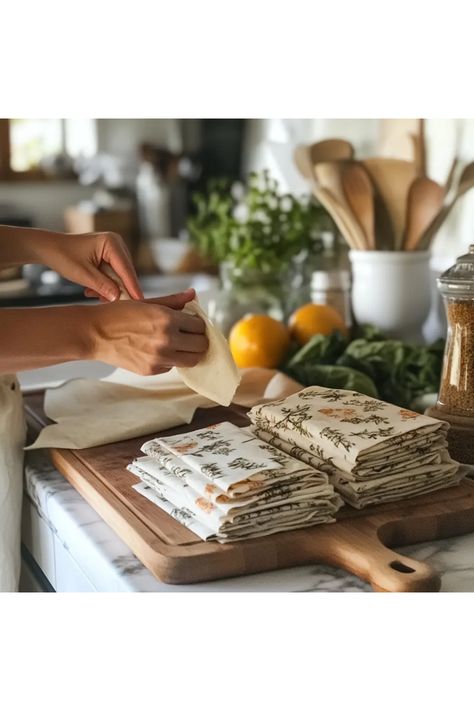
pixel 42 148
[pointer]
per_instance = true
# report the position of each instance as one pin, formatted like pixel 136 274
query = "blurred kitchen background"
pixel 138 177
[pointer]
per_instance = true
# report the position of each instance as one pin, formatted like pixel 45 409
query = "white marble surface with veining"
pixel 78 551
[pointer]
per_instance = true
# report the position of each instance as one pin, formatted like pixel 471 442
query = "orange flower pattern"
pixel 408 415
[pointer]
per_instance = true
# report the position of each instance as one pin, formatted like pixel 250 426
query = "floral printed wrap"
pixel 372 451
pixel 224 483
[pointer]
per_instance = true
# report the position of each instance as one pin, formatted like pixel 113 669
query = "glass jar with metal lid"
pixel 456 392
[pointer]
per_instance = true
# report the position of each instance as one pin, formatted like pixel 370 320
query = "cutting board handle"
pixel 358 549
pixel 390 571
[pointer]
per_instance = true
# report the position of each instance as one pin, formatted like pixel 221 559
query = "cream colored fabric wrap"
pixel 216 376
pixel 12 440
pixel 123 405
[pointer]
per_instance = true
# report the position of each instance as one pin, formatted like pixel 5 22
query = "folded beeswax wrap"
pixel 395 452
pixel 226 484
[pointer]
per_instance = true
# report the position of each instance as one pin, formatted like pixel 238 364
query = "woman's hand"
pixel 79 259
pixel 149 337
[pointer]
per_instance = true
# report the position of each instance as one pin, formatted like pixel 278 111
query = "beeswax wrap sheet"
pixel 124 405
pixel 12 440
pixel 372 451
pixel 233 484
pixel 216 376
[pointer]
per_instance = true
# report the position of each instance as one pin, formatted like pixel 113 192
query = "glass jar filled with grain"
pixel 456 392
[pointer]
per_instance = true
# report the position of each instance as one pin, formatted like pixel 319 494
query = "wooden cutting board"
pixel 361 542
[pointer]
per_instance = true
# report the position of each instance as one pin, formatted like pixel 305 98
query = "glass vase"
pixel 250 291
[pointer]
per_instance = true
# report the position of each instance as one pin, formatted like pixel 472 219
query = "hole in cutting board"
pixel 401 567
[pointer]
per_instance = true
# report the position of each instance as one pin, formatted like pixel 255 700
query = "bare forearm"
pixel 25 245
pixel 36 338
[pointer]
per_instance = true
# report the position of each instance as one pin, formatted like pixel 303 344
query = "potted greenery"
pixel 260 237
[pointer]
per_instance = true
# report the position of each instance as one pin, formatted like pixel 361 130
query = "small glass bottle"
pixel 333 288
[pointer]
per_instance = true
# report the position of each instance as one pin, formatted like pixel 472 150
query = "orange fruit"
pixel 258 341
pixel 311 319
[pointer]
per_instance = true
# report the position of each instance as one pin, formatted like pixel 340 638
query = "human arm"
pixel 77 257
pixel 148 337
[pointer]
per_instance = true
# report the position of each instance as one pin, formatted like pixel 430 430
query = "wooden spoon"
pixel 392 179
pixel 457 190
pixel 330 150
pixel 359 194
pixel 425 200
pixel 302 159
pixel 329 177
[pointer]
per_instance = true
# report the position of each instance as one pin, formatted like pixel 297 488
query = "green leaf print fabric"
pixel 371 450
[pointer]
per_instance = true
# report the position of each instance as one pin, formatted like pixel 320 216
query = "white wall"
pixel 269 143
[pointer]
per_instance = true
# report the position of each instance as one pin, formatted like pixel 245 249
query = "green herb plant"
pixel 255 226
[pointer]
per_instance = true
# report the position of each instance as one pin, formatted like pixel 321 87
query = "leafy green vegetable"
pixel 401 371
pixel 395 371
pixel 369 333
pixel 335 376
pixel 320 349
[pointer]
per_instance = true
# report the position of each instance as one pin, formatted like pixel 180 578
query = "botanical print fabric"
pixel 372 451
pixel 227 484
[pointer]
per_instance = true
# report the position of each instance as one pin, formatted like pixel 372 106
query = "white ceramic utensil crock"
pixel 391 290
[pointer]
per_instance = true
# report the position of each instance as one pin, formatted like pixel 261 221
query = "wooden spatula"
pixel 329 177
pixel 425 200
pixel 359 194
pixel 392 179
pixel 331 149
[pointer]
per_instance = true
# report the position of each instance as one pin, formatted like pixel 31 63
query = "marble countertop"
pixel 78 551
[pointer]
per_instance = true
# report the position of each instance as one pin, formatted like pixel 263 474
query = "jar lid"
pixel 458 280
pixel 333 279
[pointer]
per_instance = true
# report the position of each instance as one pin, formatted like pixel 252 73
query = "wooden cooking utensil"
pixel 329 177
pixel 329 202
pixel 303 162
pixel 457 190
pixel 419 155
pixel 451 175
pixel 330 150
pixel 425 200
pixel 392 179
pixel 302 159
pixel 359 194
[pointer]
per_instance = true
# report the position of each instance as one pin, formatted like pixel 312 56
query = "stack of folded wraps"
pixel 225 484
pixel 372 451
